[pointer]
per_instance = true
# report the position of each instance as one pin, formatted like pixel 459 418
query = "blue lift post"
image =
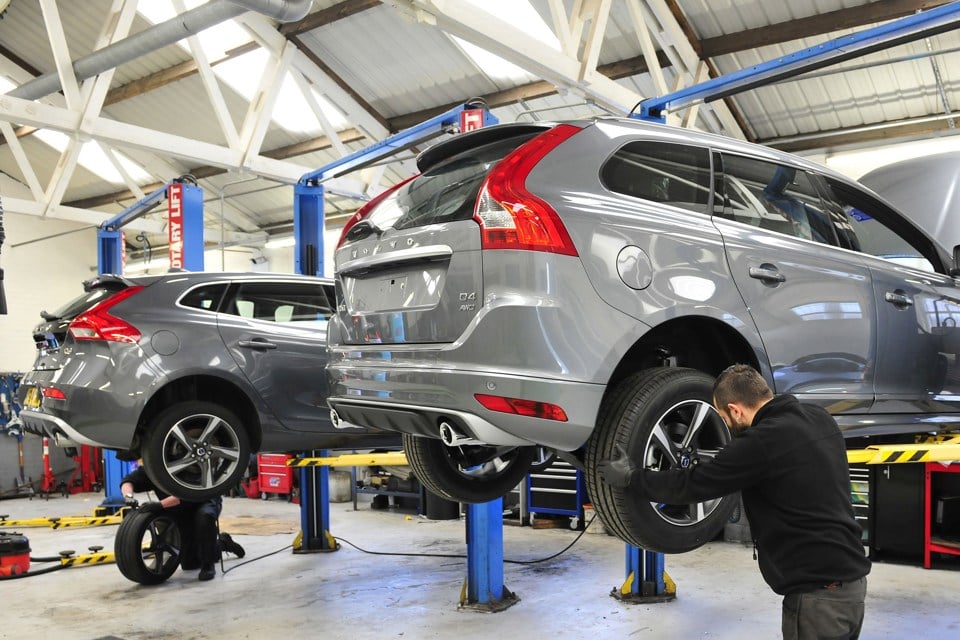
pixel 655 584
pixel 187 204
pixel 484 522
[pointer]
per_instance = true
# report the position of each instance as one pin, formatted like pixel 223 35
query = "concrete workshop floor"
pixel 353 595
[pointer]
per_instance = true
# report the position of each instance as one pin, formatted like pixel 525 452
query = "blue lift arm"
pixel 914 27
pixel 308 192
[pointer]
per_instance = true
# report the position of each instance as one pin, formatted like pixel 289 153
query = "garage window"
pixel 672 174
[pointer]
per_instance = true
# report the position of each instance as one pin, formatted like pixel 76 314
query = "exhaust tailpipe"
pixel 452 438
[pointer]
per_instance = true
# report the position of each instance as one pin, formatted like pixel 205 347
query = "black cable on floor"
pixel 443 555
pixel 266 555
pixel 30 574
pixel 416 555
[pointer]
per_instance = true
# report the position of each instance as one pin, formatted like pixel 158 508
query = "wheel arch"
pixel 698 342
pixel 204 387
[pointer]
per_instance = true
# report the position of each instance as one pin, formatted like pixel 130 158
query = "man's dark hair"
pixel 740 383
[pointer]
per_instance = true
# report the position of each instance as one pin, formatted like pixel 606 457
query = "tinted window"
pixel 80 304
pixel 286 302
pixel 673 174
pixel 446 192
pixel 871 227
pixel 776 197
pixel 207 297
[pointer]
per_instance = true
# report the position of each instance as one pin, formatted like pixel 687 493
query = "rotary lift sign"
pixel 175 224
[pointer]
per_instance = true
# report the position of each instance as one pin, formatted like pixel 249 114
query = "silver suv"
pixel 191 371
pixel 577 286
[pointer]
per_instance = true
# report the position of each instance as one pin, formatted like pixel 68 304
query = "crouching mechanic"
pixel 790 463
pixel 201 540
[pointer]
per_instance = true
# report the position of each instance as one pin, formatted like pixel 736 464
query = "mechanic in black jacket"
pixel 201 541
pixel 789 461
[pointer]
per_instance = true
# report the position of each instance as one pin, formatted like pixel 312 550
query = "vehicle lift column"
pixel 484 522
pixel 185 223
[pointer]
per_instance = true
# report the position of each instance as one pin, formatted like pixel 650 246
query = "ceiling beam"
pixel 323 17
pixel 824 23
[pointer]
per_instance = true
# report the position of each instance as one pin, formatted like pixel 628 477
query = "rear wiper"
pixel 49 316
pixel 363 229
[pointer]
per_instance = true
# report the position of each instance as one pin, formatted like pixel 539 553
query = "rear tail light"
pixel 365 210
pixel 53 394
pixel 530 408
pixel 511 217
pixel 98 324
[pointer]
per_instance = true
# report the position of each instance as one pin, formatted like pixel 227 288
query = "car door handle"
pixel 767 273
pixel 257 343
pixel 898 298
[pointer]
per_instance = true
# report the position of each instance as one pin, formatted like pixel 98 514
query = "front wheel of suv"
pixel 195 450
pixel 468 473
pixel 663 418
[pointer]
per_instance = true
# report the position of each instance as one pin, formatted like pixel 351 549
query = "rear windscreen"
pixel 445 193
pixel 80 304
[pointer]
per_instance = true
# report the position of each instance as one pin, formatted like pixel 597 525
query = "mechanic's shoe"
pixel 207 572
pixel 228 544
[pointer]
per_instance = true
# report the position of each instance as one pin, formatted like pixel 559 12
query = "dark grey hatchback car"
pixel 190 371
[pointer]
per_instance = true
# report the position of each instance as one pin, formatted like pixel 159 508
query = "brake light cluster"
pixel 96 323
pixel 365 210
pixel 511 217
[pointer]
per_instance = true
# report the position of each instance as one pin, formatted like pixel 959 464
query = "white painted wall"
pixel 39 276
pixel 45 274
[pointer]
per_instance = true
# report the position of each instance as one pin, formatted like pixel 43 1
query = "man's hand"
pixel 619 472
pixel 151 507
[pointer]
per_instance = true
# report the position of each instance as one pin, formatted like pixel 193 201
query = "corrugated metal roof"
pixel 401 67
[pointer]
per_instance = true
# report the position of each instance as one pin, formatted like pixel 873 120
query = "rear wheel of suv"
pixel 663 418
pixel 196 450
pixel 468 473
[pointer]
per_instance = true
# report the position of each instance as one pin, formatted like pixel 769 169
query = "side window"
pixel 206 297
pixel 283 302
pixel 673 174
pixel 775 197
pixel 870 227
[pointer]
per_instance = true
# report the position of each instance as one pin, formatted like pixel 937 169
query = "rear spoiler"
pixel 476 138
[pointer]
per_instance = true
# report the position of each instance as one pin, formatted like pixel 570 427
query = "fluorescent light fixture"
pixel 279 243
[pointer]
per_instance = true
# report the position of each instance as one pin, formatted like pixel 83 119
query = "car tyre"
pixel 147 547
pixel 444 470
pixel 663 418
pixel 196 450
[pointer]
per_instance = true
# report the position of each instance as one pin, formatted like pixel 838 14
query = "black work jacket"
pixel 791 467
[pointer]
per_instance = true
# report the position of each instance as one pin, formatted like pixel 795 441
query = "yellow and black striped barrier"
pixel 388 459
pixel 88 559
pixel 933 449
pixel 63 522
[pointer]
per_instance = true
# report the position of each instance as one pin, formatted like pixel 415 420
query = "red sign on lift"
pixel 175 224
pixel 471 119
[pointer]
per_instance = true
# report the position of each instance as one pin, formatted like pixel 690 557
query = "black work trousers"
pixel 199 534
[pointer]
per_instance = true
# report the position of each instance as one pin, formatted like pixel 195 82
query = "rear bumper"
pixel 392 396
pixel 50 426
